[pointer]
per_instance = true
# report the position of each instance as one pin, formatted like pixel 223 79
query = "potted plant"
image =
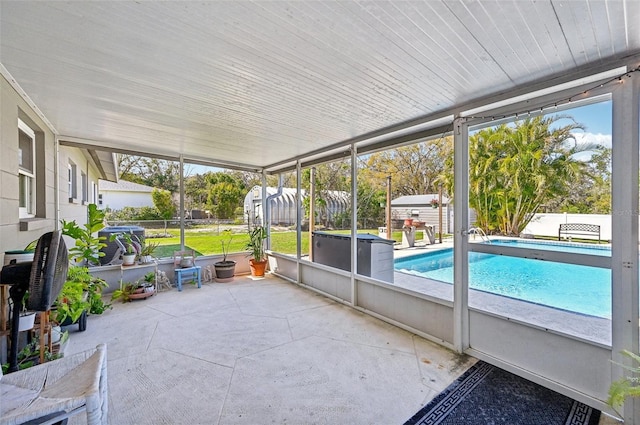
pixel 81 294
pixel 87 248
pixel 29 355
pixel 257 252
pixel 626 386
pixel 130 247
pixel 27 320
pixel 146 250
pixel 225 269
pixel 21 255
pixel 434 203
pixel 140 289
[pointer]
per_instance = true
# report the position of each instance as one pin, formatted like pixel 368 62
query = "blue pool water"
pixel 602 250
pixel 577 288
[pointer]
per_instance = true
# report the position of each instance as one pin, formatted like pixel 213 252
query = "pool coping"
pixel 590 329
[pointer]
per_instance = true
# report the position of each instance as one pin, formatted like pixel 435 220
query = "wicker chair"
pixel 53 391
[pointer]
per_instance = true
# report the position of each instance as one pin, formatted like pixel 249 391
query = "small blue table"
pixel 194 272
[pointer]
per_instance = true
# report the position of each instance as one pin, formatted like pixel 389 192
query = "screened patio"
pixel 280 86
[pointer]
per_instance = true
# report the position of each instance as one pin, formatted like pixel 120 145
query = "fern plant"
pixel 627 386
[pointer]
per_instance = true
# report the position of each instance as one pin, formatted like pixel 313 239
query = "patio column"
pixel 266 208
pixel 181 203
pixel 624 247
pixel 460 240
pixel 299 216
pixel 354 224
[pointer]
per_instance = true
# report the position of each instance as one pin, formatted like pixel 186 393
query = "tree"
pixel 163 203
pixel 515 168
pixel 332 176
pixel 414 169
pixel 590 194
pixel 152 172
pixel 196 191
pixel 226 194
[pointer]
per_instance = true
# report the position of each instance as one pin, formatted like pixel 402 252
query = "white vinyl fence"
pixel 548 224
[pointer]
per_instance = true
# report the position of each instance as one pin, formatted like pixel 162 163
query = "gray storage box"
pixel 375 255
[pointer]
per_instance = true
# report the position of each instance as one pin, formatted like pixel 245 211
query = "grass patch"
pixel 209 242
pixel 163 251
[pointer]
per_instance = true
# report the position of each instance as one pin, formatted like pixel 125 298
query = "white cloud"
pixel 599 138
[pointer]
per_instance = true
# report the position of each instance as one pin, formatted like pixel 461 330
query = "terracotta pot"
pixel 408 221
pixel 257 267
pixel 143 292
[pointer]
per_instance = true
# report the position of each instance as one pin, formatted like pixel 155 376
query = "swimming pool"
pixel 602 250
pixel 582 289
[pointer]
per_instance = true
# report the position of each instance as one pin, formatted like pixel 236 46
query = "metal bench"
pixel 579 229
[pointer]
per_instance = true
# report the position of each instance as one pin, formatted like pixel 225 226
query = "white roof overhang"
pixel 261 85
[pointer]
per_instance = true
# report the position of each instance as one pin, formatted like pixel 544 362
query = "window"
pixel 94 192
pixel 26 170
pixel 84 188
pixel 73 183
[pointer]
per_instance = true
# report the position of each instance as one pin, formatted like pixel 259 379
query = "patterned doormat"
pixel 487 395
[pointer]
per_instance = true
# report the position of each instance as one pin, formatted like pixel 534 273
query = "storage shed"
pixel 422 208
pixel 283 206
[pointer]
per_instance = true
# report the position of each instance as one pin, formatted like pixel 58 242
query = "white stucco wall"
pixel 117 200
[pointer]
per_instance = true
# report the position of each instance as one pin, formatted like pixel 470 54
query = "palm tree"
pixel 519 167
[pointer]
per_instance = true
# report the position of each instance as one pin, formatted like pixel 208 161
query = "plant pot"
pixel 143 292
pixel 225 270
pixel 18 256
pixel 257 267
pixel 56 334
pixel 146 259
pixel 186 262
pixel 128 259
pixel 81 322
pixel 27 320
pixel 408 221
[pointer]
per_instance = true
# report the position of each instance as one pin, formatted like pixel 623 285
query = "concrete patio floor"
pixel 261 351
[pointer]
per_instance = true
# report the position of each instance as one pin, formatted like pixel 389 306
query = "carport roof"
pixel 257 85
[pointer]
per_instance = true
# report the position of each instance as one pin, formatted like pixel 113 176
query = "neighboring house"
pixel 116 196
pixel 421 208
pixel 42 180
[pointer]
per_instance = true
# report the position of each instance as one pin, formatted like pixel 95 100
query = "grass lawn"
pixel 208 242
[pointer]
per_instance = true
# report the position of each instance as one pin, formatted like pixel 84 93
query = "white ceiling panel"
pixel 259 83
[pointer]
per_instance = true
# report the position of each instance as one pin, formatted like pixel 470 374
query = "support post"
pixel 440 211
pixel 460 239
pixel 299 216
pixel 312 210
pixel 624 247
pixel 389 232
pixel 181 185
pixel 354 224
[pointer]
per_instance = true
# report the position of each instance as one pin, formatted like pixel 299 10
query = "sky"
pixel 596 119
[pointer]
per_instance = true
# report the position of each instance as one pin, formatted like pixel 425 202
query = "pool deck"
pixel 589 328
